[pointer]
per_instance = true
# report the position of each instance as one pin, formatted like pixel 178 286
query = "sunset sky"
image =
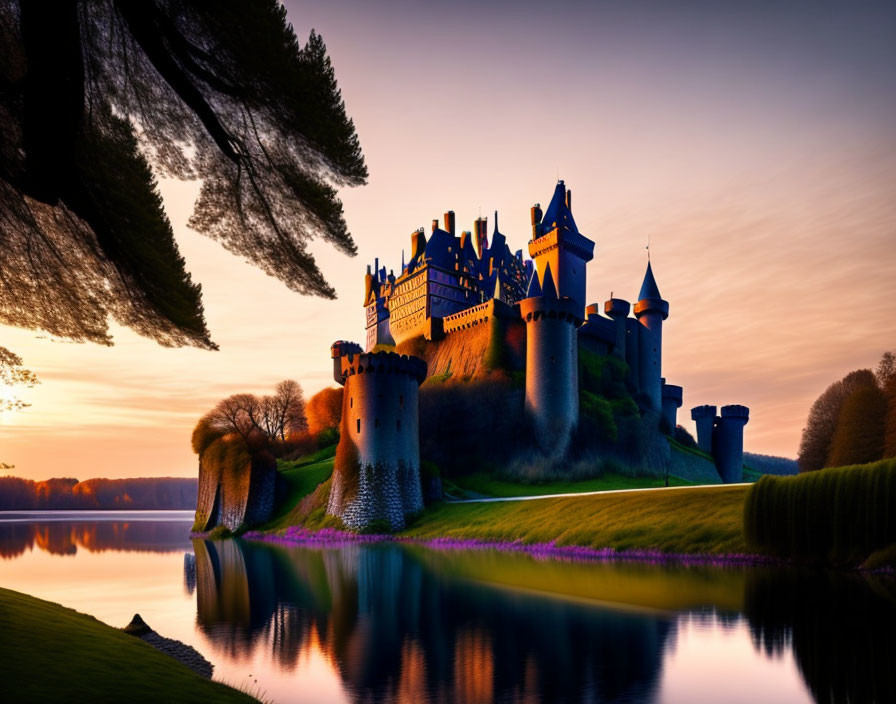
pixel 755 145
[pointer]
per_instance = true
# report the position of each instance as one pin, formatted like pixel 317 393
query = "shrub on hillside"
pixel 683 437
pixel 324 410
pixel 859 436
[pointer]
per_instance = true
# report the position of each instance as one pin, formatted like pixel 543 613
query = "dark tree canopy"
pixel 859 437
pixel 815 445
pixel 99 97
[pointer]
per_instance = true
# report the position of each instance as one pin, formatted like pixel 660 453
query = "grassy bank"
pixel 485 485
pixel 686 520
pixel 50 653
pixel 843 515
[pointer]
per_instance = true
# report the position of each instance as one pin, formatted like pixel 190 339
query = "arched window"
pixel 359 426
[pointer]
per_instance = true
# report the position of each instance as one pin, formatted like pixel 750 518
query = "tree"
pixel 815 444
pixel 859 436
pixel 240 414
pixel 13 374
pixel 324 410
pixel 99 97
pixel 890 426
pixel 284 412
pixel 886 369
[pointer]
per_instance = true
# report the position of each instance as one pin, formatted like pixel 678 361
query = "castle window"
pixel 398 425
pixel 359 425
pixel 401 402
pixel 351 402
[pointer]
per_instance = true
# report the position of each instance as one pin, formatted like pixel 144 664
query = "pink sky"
pixel 758 152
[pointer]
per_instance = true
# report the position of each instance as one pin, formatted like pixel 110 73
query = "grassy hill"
pixel 52 654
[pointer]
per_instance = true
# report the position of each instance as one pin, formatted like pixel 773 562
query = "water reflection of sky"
pixel 384 623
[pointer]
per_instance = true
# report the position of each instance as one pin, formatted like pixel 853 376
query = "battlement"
pixel 651 305
pixel 735 412
pixel 354 361
pixel 674 393
pixel 617 308
pixel 699 412
pixel 547 307
pixel 478 314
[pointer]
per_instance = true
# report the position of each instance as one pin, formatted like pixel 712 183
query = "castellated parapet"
pixel 376 478
pixel 704 417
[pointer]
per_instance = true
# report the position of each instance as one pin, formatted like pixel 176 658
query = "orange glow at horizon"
pixel 763 170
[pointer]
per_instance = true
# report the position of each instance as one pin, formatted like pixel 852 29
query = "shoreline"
pixel 297 536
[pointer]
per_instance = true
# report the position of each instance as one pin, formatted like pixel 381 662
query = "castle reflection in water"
pixel 405 624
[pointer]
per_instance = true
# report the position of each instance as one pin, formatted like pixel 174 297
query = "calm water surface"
pixel 386 623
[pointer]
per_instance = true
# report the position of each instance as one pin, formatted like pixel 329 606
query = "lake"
pixel 404 623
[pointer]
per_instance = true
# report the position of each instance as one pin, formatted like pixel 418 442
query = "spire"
pixel 496 224
pixel 558 213
pixel 534 289
pixel 548 287
pixel 649 289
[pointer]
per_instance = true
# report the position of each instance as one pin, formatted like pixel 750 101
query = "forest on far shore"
pixel 144 493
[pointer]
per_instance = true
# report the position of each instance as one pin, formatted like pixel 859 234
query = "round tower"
pixel 552 366
pixel 728 443
pixel 617 309
pixel 705 418
pixel 376 476
pixel 672 396
pixel 651 310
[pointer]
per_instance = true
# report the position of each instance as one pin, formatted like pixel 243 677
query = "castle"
pixel 453 283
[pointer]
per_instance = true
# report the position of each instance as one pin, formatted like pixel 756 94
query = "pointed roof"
pixel 548 287
pixel 534 289
pixel 558 214
pixel 649 289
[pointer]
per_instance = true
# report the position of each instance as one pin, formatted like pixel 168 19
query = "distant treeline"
pixel 854 421
pixel 770 464
pixel 146 493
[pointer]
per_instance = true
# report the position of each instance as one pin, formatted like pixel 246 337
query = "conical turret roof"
pixel 649 289
pixel 558 213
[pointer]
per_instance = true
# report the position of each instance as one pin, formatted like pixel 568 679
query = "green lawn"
pixel 485 485
pixel 51 654
pixel 686 520
pixel 302 477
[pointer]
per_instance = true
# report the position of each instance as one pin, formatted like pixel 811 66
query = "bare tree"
pixel 240 414
pixel 284 412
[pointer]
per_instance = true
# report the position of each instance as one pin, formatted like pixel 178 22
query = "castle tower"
pixel 704 417
pixel 672 396
pixel 651 310
pixel 617 309
pixel 728 443
pixel 376 476
pixel 552 364
pixel 557 245
pixel 553 309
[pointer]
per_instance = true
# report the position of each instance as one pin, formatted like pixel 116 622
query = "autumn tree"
pixel 859 435
pixel 324 410
pixel 815 444
pixel 100 98
pixel 283 413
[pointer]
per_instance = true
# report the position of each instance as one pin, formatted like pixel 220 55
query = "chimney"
pixel 536 221
pixel 449 221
